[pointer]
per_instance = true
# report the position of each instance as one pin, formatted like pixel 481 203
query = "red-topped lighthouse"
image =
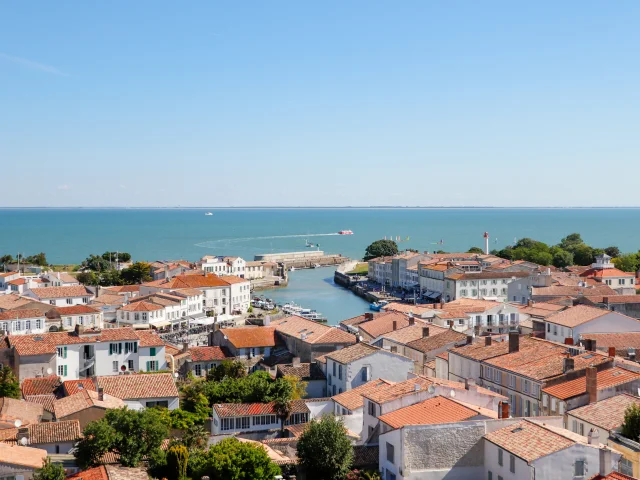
pixel 486 242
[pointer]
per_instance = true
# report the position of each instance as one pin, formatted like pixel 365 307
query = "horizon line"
pixel 326 207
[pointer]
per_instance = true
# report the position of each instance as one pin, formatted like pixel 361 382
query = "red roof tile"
pixel 16 314
pixel 249 337
pixel 131 387
pixel 76 310
pixel 40 386
pixel 605 379
pixel 71 387
pixel 433 411
pixel 607 414
pixel 206 354
pixel 61 292
pixel 248 409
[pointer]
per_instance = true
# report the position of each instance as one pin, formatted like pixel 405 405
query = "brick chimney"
pixel 425 332
pixel 529 303
pixel 592 384
pixel 412 321
pixel 185 347
pixel 23 432
pixel 395 325
pixel 514 342
pixel 568 364
pixel 487 341
pixel 295 361
pixel 469 339
pixel 368 316
pixel 503 410
pixel 605 300
pixel 100 394
pixel 612 351
pixel 568 341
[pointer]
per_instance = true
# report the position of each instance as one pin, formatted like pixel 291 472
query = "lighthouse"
pixel 486 242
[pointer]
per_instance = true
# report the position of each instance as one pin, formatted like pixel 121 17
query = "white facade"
pixel 62 301
pixel 22 326
pixel 69 321
pixel 223 265
pixel 610 323
pixel 479 288
pixel 171 403
pixel 240 296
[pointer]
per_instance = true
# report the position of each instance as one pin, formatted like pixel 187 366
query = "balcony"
pixel 88 363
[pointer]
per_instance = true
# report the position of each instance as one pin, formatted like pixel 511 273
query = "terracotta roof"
pixel 529 440
pixel 75 310
pixel 232 279
pixel 45 400
pixel 539 310
pixel 572 291
pixel 479 351
pixel 16 314
pixel 46 343
pixel 248 337
pixel 71 387
pixel 620 341
pixel 384 324
pixel 108 298
pixel 352 353
pixel 431 343
pixel 605 272
pixel 23 456
pixel 40 386
pixel 141 306
pixel 433 411
pixel 47 432
pixel 249 409
pixel 353 399
pixel 314 332
pixel 96 473
pixel 613 476
pixel 17 281
pixel 304 371
pixel 552 365
pixel 65 277
pixel 12 409
pixel 149 338
pixel 469 305
pixel 206 354
pixel 131 387
pixel 189 292
pixel 124 288
pixel 606 414
pixel 574 316
pixel 61 292
pixel 443 356
pixel 413 332
pixel 430 364
pixel 407 308
pixel 486 275
pixel 82 400
pixel 11 301
pixel 605 379
pixel 190 281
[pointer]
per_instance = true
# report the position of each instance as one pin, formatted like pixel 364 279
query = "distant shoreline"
pixel 382 207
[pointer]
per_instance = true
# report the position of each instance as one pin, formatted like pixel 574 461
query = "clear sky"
pixel 158 103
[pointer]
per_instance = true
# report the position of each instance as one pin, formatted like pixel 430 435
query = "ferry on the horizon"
pixel 345 232
pixel 208 214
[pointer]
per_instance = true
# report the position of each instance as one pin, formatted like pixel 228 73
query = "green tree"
pixel 196 437
pixel 109 278
pixel 627 262
pixel 298 387
pixel 227 368
pixel 363 475
pixel 283 408
pixel 116 256
pixel 97 439
pixel 88 278
pixel 50 471
pixel 541 258
pixel 96 263
pixel 571 241
pixel 6 260
pixel 232 459
pixel 631 424
pixel 38 259
pixel 477 250
pixel 177 460
pixel 139 272
pixel 561 258
pixel 196 402
pixel 583 255
pixel 380 248
pixel 9 384
pixel 613 252
pixel 324 450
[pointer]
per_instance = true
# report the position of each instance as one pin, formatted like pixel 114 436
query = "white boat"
pixel 317 265
pixel 345 232
pixel 292 269
pixel 208 214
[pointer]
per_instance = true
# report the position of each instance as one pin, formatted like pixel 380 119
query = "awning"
pixel 161 324
pixel 435 295
pixel 140 326
pixel 203 321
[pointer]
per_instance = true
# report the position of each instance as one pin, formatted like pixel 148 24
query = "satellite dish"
pixel 452 393
pixel 49 371
pixel 23 441
pixel 176 374
pixel 18 423
pixel 431 389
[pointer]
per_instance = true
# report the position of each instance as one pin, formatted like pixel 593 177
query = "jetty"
pixel 306 259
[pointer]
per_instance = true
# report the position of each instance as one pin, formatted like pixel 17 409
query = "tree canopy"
pixel 324 450
pixel 50 471
pixel 380 248
pixel 9 384
pixel 255 388
pixel 631 424
pixel 477 250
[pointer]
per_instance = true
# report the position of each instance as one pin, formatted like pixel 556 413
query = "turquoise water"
pixel 68 236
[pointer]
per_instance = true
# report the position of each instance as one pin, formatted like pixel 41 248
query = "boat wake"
pixel 216 243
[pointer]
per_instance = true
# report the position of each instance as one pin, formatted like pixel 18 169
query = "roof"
pixel 469 305
pixel 96 473
pixel 12 409
pixel 46 343
pixel 313 332
pixel 353 399
pixel 247 409
pixel 40 386
pixel 433 411
pixel 620 341
pixel 108 298
pixel 111 472
pixel 75 310
pixel 431 343
pixel 45 400
pixel 61 292
pixel 141 306
pixel 23 456
pixel 528 440
pixel 605 272
pixel 479 351
pixel 124 288
pixel 82 400
pixel 135 386
pixel 47 432
pixel 572 291
pixel 413 332
pixel 352 353
pixel 486 275
pixel 384 323
pixel 17 281
pixel 206 354
pixel 444 356
pixel 149 338
pixel 232 279
pixel 248 337
pixel 578 315
pixel 607 414
pixel 605 379
pixel 613 476
pixel 615 299
pixel 539 309
pixel 11 301
pixel 304 371
pixel 407 308
pixel 190 281
pixel 17 314
pixel 65 277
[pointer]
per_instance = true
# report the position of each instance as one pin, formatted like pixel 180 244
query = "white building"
pixel 62 296
pixel 223 265
pixel 161 309
pixel 60 279
pixel 67 318
pixel 583 319
pixel 380 270
pixel 22 322
pixel 487 285
pixel 233 418
pixel 142 391
pixel 358 364
pixel 602 270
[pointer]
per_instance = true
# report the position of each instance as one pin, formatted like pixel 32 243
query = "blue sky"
pixel 320 103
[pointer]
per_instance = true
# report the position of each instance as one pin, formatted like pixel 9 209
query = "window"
pixel 483 291
pixel 365 374
pixel 69 301
pixel 474 293
pixel 152 366
pixel 512 381
pixel 500 478
pixel 52 302
pixel 578 468
pixel 489 475
pixel 130 347
pixel 500 455
pixel 463 293
pixel 159 403
pixel 334 369
pixel 38 323
pixel 62 370
pixel 512 464
pixel 130 364
pixel 85 299
pixel 62 352
pixel 115 348
pixel 582 429
pixel 372 409
pixel 389 453
pixel 625 466
pixel 340 372
pixel 226 424
pixel 198 370
pixel 115 365
pixel 525 386
pixel 152 351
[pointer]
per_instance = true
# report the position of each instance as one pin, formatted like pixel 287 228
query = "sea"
pixel 67 236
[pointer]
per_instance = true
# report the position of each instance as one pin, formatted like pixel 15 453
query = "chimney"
pixel 79 330
pixel 631 353
pixel 368 316
pixel 568 341
pixel 592 384
pixel 529 303
pixel 612 351
pixel 592 436
pixel 295 361
pixel 23 432
pixel 487 341
pixel 605 300
pixel 592 345
pixel 605 461
pixel 416 387
pixel 469 384
pixel 568 364
pixel 185 347
pixel 395 325
pixel 100 394
pixel 425 332
pixel 469 339
pixel 504 410
pixel 412 321
pixel 514 342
